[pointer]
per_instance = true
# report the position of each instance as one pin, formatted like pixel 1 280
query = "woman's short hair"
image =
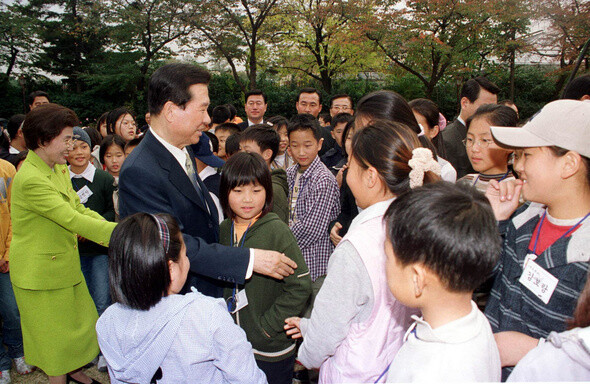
pixel 139 275
pixel 45 123
pixel 242 169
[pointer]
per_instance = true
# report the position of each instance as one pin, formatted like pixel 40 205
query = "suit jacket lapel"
pixel 177 176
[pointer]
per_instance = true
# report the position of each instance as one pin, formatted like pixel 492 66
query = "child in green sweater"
pixel 262 304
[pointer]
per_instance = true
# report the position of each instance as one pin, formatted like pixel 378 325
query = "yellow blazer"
pixel 46 218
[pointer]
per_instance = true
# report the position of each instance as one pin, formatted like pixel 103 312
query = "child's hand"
pixel 335 234
pixel 292 327
pixel 340 174
pixel 503 197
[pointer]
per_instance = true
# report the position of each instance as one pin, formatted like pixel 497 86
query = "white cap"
pixel 561 123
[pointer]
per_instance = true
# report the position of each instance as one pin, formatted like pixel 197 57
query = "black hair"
pixel 232 144
pixel 277 122
pixel 326 117
pixel 387 146
pixel 264 136
pixel 304 122
pixel 109 141
pixel 450 229
pixel 134 142
pixel 390 105
pixel 101 119
pixel 213 140
pixel 229 127
pixel 220 114
pixel 255 92
pixel 497 115
pixel 341 118
pixel 95 137
pixel 139 274
pixel 45 123
pixel 233 111
pixel 310 90
pixel 115 115
pixel 341 96
pixel 171 83
pixel 33 95
pixel 14 124
pixel 472 87
pixel 242 169
pixel 431 113
pixel 577 88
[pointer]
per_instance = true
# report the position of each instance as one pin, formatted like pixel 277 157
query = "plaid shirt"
pixel 317 205
pixel 512 306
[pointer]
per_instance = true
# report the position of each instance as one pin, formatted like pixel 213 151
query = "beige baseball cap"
pixel 561 123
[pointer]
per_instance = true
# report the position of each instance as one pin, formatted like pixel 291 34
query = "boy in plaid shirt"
pixel 313 194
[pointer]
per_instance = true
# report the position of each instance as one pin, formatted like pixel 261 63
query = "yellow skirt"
pixel 58 327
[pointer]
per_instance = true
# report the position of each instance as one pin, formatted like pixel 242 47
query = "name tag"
pixel 84 193
pixel 241 300
pixel 538 280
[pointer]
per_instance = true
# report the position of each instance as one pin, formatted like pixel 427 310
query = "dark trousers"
pixel 278 372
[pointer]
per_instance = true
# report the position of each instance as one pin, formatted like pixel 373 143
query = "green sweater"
pixel 101 201
pixel 271 301
pixel 280 191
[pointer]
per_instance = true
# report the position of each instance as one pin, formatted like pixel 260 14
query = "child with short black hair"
pixel 130 146
pixel 112 156
pixel 313 194
pixel 282 159
pixel 263 140
pixel 232 145
pixel 261 305
pixel 151 333
pixel 223 132
pixel 442 243
pixel 545 258
pixel 487 158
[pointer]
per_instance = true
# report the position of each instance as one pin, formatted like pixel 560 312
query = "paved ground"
pixel 40 377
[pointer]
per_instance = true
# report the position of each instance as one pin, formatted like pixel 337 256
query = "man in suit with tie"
pixel 160 176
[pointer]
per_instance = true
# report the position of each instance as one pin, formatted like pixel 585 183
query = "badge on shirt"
pixel 241 301
pixel 538 280
pixel 84 193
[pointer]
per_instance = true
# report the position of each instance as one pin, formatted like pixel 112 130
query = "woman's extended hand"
pixel 292 327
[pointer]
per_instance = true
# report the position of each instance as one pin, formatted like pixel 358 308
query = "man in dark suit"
pixel 255 108
pixel 160 176
pixel 474 93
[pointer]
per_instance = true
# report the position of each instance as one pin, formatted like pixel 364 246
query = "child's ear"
pixel 267 154
pixel 320 142
pixel 419 279
pixel 371 176
pixel 572 163
pixel 434 131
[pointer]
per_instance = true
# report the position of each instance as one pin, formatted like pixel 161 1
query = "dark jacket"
pixel 333 157
pixel 101 202
pixel 452 136
pixel 280 191
pixel 153 181
pixel 271 301
pixel 348 207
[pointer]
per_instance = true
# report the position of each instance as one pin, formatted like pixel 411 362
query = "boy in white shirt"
pixel 442 243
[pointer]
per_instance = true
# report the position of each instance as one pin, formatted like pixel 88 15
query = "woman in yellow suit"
pixel 57 312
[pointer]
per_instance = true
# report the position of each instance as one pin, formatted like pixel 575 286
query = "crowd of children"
pixel 402 272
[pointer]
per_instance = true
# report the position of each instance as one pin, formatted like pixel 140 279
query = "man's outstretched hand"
pixel 273 264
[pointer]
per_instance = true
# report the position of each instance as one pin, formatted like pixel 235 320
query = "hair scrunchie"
pixel 421 162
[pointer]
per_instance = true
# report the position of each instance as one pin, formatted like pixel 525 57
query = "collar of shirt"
pixel 251 123
pixel 13 151
pixel 179 154
pixel 457 331
pixel 375 210
pixel 206 172
pixel 311 170
pixel 461 120
pixel 87 174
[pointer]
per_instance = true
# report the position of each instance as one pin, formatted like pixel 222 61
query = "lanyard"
pixel 291 208
pixel 560 237
pixel 241 242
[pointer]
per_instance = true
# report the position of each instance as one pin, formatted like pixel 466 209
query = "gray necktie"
pixel 192 175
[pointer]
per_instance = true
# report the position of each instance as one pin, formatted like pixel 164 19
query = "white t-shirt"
pixel 463 350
